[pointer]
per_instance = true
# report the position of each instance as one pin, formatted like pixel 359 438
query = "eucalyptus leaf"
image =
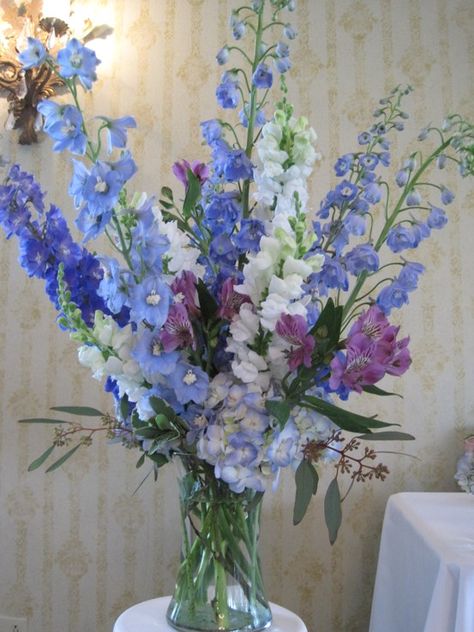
pixel 375 390
pixel 207 302
pixel 83 411
pixel 124 407
pixel 42 420
pixel 64 458
pixel 332 509
pixel 306 479
pixel 280 409
pixel 160 407
pixel 140 461
pixel 41 459
pixel 387 435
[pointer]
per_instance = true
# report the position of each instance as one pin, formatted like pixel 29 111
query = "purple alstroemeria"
pixel 294 329
pixel 372 350
pixel 184 290
pixel 199 169
pixel 229 300
pixel 177 331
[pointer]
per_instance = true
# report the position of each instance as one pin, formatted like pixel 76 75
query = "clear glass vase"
pixel 219 585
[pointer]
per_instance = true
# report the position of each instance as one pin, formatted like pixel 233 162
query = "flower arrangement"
pixel 231 320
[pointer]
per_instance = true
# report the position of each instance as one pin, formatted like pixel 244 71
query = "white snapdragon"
pixel 181 255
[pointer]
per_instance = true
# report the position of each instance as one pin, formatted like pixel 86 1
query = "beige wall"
pixel 76 548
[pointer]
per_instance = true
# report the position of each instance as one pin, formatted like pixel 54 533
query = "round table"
pixel 150 616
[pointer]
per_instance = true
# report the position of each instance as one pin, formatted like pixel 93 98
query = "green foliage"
pixel 207 303
pixel 64 458
pixel 41 459
pixel 42 420
pixel 344 419
pixel 193 194
pixel 83 411
pixel 306 479
pixel 332 510
pixel 388 435
pixel 375 390
pixel 280 409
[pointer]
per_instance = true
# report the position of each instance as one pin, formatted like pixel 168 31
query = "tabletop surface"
pixel 150 616
pixel 425 573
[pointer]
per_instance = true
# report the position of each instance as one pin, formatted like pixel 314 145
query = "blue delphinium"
pixel 66 128
pixel 150 301
pixel 117 130
pixel 190 383
pixel 33 55
pixel 362 258
pixel 76 60
pixel 227 92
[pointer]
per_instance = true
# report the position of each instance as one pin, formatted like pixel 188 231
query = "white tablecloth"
pixel 150 616
pixel 425 573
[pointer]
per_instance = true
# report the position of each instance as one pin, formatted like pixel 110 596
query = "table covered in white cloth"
pixel 425 572
pixel 150 616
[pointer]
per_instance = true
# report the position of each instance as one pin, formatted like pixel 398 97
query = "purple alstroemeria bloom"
pixel 362 258
pixel 223 55
pixel 294 329
pixel 357 367
pixel 230 301
pixel 190 383
pixel 34 55
pixel 79 61
pixel 237 166
pixel 184 290
pixel 343 164
pixel 408 277
pixel 153 359
pixel 262 77
pixel 392 296
pixel 117 130
pixel 150 301
pixel 227 92
pixel 211 131
pixel 67 131
pixel 199 169
pixel 447 196
pixel 369 161
pixel 400 238
pixel 437 218
pixel 177 331
pixel 249 236
pixel 413 198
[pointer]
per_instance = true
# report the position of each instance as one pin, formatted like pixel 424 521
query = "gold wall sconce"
pixel 24 89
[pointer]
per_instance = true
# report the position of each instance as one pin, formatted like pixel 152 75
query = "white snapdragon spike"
pixel 181 255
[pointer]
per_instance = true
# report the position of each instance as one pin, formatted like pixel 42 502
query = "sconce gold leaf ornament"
pixel 26 88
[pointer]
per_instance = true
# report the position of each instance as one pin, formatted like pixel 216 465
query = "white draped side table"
pixel 150 616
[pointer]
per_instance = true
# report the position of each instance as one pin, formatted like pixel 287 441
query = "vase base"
pixel 204 622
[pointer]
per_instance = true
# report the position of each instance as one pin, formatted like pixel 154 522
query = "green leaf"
pixel 140 461
pixel 306 479
pixel 280 409
pixel 158 459
pixel 192 194
pixel 167 193
pixel 207 302
pixel 41 459
pixel 124 407
pixel 42 420
pixel 375 390
pixel 160 407
pixel 148 433
pixel 64 458
pixel 345 419
pixel 332 509
pixel 328 325
pixel 166 205
pixel 388 435
pixel 84 411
